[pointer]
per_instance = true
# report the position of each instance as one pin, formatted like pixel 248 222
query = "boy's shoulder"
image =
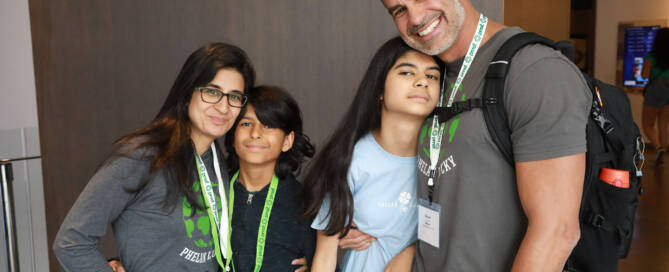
pixel 288 187
pixel 288 198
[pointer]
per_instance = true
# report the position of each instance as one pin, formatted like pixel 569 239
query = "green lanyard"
pixel 437 130
pixel 264 220
pixel 215 220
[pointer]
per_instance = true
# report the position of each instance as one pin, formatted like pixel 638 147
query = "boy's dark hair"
pixel 275 108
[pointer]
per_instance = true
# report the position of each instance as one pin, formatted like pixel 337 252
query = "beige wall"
pixel 19 137
pixel 609 14
pixel 18 106
pixel 547 17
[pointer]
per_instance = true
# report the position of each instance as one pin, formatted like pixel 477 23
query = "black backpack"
pixel 613 141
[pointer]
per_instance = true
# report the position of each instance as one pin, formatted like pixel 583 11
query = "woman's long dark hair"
pixel 660 48
pixel 169 132
pixel 327 173
pixel 275 108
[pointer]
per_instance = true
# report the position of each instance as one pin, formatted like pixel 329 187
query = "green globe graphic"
pixel 196 221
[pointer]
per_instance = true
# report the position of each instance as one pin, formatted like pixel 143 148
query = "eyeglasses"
pixel 212 96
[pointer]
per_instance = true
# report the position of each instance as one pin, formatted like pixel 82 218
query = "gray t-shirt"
pixel 150 237
pixel 482 222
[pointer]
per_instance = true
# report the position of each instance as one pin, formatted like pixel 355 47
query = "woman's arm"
pixel 325 259
pixel 100 203
pixel 402 261
pixel 117 266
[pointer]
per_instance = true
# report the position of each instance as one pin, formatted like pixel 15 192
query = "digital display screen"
pixel 638 42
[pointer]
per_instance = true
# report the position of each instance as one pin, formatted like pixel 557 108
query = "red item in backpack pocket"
pixel 615 177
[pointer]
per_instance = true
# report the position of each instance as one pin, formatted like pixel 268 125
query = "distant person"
pixel 267 146
pixel 656 94
pixel 365 176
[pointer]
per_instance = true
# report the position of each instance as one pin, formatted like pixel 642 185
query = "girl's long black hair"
pixel 275 108
pixel 660 49
pixel 327 172
pixel 169 132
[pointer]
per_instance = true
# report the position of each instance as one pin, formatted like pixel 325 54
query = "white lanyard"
pixel 205 184
pixel 438 130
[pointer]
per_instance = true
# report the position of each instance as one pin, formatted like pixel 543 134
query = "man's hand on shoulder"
pixel 356 240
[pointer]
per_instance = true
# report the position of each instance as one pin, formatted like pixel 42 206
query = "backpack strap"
pixel 494 113
pixel 613 136
pixel 599 221
pixel 446 113
pixel 492 100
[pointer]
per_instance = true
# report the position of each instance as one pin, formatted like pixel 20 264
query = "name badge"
pixel 428 222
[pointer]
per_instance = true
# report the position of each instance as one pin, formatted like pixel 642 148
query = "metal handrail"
pixel 21 159
pixel 10 226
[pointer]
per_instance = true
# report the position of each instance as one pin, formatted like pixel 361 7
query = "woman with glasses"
pixel 162 189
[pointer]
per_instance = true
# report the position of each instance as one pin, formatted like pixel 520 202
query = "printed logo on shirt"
pixel 444 166
pixel 197 257
pixel 404 199
pixel 196 221
pixel 450 128
pixel 403 202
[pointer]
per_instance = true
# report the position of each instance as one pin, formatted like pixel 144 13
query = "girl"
pixel 267 146
pixel 656 94
pixel 151 190
pixel 368 166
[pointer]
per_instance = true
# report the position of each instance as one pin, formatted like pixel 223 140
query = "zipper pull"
pixel 250 199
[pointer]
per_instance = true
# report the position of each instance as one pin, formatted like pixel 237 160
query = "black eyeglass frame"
pixel 221 95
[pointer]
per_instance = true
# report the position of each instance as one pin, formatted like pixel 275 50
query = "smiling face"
pixel 210 121
pixel 258 144
pixel 412 85
pixel 429 26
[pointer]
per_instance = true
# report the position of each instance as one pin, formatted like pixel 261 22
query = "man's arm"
pixel 103 199
pixel 356 240
pixel 550 193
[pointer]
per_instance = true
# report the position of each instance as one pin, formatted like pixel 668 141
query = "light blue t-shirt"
pixel 384 195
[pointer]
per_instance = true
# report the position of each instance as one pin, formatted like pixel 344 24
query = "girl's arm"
pixel 402 261
pixel 325 259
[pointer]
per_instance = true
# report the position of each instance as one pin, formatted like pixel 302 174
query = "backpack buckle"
pixel 602 122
